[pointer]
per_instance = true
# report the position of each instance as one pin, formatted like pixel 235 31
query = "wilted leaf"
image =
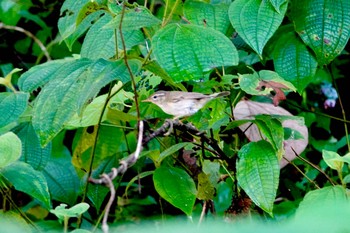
pixel 247 109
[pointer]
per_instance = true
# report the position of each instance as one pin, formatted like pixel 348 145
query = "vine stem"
pixel 29 34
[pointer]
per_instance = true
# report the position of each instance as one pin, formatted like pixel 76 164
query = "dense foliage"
pixel 77 140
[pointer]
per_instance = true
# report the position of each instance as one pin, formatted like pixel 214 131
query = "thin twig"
pixel 110 185
pixel 299 170
pixel 125 163
pixel 127 62
pixel 28 33
pixel 204 210
pixel 312 165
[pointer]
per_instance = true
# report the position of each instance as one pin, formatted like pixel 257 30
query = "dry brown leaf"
pixel 247 109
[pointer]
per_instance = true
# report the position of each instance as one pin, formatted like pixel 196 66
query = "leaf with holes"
pixel 208 14
pixel 323 25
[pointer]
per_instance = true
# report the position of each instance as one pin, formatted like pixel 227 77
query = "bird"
pixel 180 103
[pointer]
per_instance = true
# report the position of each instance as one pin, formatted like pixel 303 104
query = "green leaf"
pixel 137 178
pixel 134 19
pixel 100 41
pixel 13 221
pixel 9 11
pixel 69 15
pixel 61 212
pixel 218 115
pixel 10 149
pixel 212 170
pixel 12 105
pixel 25 179
pixel 62 180
pixel 258 173
pixel 206 189
pixel 96 192
pixel 250 82
pixel 77 82
pixel 176 187
pixel 171 150
pixel 39 75
pixel 277 4
pixel 32 152
pixel 188 52
pixel 154 67
pixel 208 14
pixel 292 134
pixel 292 59
pixel 255 21
pixel 272 129
pixel 323 25
pixel 334 160
pixel 327 196
pixel 237 123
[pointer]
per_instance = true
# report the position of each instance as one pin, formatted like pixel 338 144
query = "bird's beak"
pixel 146 100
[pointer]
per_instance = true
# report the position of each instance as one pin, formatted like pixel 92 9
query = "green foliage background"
pixel 73 77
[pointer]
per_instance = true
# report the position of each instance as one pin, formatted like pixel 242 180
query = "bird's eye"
pixel 155 97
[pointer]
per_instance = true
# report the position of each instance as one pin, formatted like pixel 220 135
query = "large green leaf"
pixel 32 152
pixel 100 40
pixel 207 14
pixel 10 148
pixel 176 187
pixel 188 52
pixel 256 21
pixel 24 178
pixel 76 82
pixel 39 75
pixel 292 59
pixel 324 25
pixel 258 173
pixel 12 105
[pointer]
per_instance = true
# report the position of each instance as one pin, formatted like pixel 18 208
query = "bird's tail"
pixel 220 94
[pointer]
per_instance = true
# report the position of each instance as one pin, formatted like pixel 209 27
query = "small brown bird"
pixel 180 103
